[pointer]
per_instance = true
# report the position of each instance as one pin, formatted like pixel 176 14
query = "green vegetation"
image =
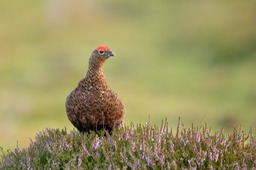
pixel 136 147
pixel 196 60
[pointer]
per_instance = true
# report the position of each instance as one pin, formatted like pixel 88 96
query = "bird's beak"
pixel 110 53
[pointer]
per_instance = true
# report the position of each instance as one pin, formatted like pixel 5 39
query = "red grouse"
pixel 92 105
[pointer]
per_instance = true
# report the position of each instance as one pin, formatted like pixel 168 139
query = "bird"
pixel 93 105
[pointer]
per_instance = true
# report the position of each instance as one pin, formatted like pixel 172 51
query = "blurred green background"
pixel 194 59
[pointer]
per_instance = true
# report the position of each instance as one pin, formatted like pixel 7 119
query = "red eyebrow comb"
pixel 103 48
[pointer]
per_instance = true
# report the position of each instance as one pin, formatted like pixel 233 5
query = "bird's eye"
pixel 100 52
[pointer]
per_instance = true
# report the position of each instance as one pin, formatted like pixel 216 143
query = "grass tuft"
pixel 136 147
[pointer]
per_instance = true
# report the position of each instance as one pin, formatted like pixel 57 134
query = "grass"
pixel 136 147
pixel 194 60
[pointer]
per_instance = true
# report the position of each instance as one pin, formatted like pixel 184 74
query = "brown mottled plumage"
pixel 92 105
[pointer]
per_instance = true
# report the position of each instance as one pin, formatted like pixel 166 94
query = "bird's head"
pixel 100 55
pixel 103 51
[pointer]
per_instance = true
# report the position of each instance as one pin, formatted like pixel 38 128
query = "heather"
pixel 136 147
